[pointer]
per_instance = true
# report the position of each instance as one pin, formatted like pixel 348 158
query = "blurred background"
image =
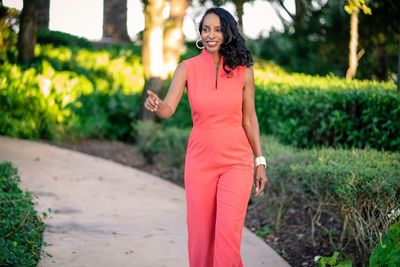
pixel 74 74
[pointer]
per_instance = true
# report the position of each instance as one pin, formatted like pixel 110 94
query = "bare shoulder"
pixel 249 78
pixel 182 65
pixel 181 69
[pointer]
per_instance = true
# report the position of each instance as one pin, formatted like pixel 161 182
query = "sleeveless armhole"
pixel 186 64
pixel 244 76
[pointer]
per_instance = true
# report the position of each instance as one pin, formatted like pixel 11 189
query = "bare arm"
pixel 250 121
pixel 167 107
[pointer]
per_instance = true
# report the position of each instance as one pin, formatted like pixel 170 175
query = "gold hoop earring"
pixel 197 45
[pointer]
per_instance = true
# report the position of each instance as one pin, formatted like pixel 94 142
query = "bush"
pixel 33 102
pixel 21 230
pixel 302 110
pixel 58 38
pixel 167 144
pixel 387 252
pixel 308 111
pixel 9 22
pixel 102 115
pixel 52 98
pixel 359 189
pixel 312 111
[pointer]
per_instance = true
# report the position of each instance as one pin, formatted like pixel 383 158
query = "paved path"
pixel 107 214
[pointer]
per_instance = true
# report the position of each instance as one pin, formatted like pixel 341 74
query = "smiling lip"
pixel 212 43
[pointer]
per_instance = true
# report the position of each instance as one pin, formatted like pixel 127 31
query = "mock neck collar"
pixel 210 58
pixel 207 55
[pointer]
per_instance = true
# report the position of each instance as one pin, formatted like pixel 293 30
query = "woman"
pixel 219 164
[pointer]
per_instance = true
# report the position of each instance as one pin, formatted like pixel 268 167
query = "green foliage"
pixel 316 41
pixel 349 176
pixel 33 102
pixel 9 21
pixel 360 186
pixel 387 252
pixel 102 115
pixel 70 91
pixel 332 261
pixel 58 38
pixel 21 231
pixel 168 144
pixel 263 231
pixel 90 93
pixel 310 110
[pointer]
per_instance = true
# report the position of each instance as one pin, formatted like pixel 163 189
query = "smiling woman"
pixel 219 164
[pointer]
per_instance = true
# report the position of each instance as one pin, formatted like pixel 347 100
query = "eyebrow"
pixel 218 26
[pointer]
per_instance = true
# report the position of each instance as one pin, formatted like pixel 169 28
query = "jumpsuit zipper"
pixel 216 78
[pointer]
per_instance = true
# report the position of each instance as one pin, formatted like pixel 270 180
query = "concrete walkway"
pixel 107 214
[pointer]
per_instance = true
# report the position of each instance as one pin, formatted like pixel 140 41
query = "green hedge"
pixel 358 188
pixel 21 230
pixel 45 36
pixel 67 85
pixel 308 111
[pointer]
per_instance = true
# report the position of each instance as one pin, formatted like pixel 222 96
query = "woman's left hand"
pixel 260 179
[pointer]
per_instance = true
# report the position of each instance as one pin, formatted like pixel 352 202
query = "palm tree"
pixel 152 52
pixel 114 21
pixel 28 31
pixel 353 8
pixel 162 45
pixel 173 34
pixel 43 14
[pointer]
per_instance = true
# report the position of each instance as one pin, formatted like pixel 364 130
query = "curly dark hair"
pixel 233 48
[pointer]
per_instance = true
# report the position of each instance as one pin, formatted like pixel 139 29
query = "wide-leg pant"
pixel 217 199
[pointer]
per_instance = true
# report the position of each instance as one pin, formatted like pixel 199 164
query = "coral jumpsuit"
pixel 219 164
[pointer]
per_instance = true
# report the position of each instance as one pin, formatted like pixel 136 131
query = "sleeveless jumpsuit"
pixel 219 164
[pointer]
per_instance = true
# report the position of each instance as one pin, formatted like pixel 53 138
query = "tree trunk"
pixel 353 61
pixel 301 7
pixel 114 21
pixel 173 34
pixel 398 69
pixel 152 53
pixel 239 13
pixel 28 31
pixel 43 14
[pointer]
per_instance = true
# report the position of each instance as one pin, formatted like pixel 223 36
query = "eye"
pixel 205 29
pixel 218 30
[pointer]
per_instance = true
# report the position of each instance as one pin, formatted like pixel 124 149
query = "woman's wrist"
pixel 163 109
pixel 260 161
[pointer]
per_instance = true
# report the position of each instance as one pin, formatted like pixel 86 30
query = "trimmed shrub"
pixel 308 111
pixel 357 188
pixel 58 38
pixel 21 230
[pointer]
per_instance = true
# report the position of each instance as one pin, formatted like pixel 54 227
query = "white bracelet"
pixel 261 161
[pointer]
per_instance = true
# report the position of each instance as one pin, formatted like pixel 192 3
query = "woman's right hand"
pixel 152 101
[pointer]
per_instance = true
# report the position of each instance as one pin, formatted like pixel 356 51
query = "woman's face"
pixel 211 33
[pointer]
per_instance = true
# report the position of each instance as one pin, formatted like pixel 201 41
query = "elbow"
pixel 249 121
